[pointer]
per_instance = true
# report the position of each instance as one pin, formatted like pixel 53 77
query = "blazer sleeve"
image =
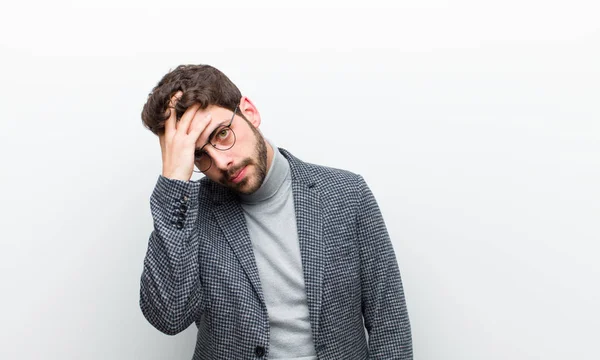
pixel 171 295
pixel 383 303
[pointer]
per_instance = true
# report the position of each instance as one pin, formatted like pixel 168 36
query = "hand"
pixel 178 143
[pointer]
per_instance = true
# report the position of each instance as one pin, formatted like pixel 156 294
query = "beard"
pixel 258 159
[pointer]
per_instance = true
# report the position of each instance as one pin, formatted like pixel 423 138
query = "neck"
pixel 269 155
pixel 278 172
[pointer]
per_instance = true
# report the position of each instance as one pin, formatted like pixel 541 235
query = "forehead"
pixel 220 117
pixel 214 110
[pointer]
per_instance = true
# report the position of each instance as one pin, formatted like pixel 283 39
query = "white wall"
pixel 475 123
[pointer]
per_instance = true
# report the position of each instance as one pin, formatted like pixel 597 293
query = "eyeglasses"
pixel 222 138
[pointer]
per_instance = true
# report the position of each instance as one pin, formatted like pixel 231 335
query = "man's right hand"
pixel 178 143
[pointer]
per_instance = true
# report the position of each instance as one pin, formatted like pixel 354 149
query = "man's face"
pixel 243 167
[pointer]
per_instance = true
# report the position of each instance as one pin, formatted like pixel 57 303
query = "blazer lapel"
pixel 307 205
pixel 231 219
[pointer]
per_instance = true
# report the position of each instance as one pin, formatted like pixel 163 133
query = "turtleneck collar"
pixel 276 176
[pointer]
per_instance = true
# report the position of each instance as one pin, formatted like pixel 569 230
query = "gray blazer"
pixel 200 267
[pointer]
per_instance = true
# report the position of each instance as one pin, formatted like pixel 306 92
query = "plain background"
pixel 475 123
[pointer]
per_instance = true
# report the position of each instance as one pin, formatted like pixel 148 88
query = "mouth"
pixel 237 177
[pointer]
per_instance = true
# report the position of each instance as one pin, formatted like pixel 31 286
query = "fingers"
pixel 193 122
pixel 170 123
pixel 185 121
pixel 200 123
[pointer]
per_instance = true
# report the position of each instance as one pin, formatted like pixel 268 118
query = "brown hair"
pixel 202 84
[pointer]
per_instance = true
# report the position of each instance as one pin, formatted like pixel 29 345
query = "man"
pixel 270 256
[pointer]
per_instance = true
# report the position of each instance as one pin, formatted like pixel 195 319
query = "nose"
pixel 222 160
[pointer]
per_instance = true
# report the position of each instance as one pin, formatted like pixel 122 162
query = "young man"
pixel 270 256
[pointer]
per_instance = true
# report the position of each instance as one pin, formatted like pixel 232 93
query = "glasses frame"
pixel 214 146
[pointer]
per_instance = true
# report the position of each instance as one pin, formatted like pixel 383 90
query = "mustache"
pixel 227 174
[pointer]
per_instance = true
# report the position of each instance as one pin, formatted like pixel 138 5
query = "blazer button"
pixel 179 224
pixel 259 351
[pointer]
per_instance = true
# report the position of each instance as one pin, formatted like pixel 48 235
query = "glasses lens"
pixel 203 163
pixel 224 138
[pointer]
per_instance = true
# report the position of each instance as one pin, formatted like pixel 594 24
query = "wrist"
pixel 175 176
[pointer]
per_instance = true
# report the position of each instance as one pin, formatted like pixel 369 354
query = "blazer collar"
pixel 300 170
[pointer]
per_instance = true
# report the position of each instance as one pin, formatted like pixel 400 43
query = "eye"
pixel 223 133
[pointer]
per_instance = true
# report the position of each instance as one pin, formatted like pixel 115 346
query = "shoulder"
pixel 327 175
pixel 329 180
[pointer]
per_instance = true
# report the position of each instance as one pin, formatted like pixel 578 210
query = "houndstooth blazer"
pixel 200 267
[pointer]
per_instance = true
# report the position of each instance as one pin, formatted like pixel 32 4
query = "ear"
pixel 250 111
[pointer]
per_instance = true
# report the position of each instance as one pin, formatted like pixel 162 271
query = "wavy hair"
pixel 202 84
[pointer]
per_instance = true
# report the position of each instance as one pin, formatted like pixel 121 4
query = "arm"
pixel 383 303
pixel 171 295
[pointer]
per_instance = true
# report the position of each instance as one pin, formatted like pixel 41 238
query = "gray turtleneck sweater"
pixel 271 223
